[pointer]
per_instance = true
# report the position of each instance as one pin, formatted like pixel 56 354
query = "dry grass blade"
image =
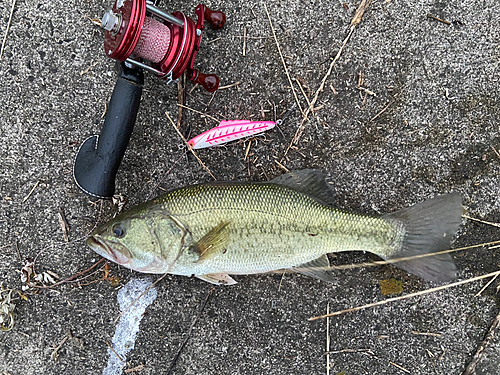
pixel 486 286
pixel 113 350
pixel 229 86
pixel 495 151
pixel 31 191
pixel 350 351
pixel 482 221
pixel 7 29
pixel 427 334
pixel 201 113
pixel 400 367
pixel 383 110
pixel 439 19
pixel 244 41
pixel 284 65
pixel 181 87
pixel 189 147
pixel 86 70
pixel 411 295
pixel 354 22
pixel 328 340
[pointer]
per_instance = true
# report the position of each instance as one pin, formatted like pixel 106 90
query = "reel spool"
pixel 138 31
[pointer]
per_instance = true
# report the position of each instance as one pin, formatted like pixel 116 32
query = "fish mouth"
pixel 104 250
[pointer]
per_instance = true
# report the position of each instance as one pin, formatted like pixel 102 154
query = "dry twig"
pixel 471 368
pixel 113 350
pixel 138 368
pixel 31 192
pixel 438 19
pixel 64 223
pixel 7 28
pixel 421 293
pixel 55 353
pixel 183 344
pixel 400 367
pixel 69 279
pixel 482 221
pixel 244 41
pixel 229 86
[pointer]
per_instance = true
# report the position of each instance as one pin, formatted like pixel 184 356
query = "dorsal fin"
pixel 308 181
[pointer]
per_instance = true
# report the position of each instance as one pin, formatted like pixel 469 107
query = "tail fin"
pixel 429 228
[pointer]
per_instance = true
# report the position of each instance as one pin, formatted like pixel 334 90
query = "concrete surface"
pixel 439 85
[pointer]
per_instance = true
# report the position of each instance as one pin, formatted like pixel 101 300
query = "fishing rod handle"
pixel 99 156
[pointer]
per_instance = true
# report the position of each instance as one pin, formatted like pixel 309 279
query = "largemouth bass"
pixel 219 229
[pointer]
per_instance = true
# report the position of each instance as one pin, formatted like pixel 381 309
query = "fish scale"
pixel 287 229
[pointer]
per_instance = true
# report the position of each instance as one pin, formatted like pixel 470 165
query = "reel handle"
pixel 99 156
pixel 215 18
pixel 209 81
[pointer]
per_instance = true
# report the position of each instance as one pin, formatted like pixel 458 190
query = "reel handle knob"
pixel 209 81
pixel 215 18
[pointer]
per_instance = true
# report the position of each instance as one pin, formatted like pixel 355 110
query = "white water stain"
pixel 128 326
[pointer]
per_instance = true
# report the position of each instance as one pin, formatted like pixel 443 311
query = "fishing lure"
pixel 228 131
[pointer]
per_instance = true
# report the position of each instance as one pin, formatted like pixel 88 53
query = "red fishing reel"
pixel 138 32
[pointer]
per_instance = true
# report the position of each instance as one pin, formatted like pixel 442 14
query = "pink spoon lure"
pixel 228 131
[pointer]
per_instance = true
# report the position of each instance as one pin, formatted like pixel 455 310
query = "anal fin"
pixel 217 278
pixel 318 268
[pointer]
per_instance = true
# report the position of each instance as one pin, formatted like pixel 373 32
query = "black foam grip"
pixel 99 157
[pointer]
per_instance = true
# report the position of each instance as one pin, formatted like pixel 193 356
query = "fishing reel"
pixel 140 37
pixel 169 41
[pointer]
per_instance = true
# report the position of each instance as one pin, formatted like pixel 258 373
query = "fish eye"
pixel 118 230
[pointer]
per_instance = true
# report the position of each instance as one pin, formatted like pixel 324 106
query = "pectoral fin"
pixel 318 268
pixel 213 243
pixel 217 278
